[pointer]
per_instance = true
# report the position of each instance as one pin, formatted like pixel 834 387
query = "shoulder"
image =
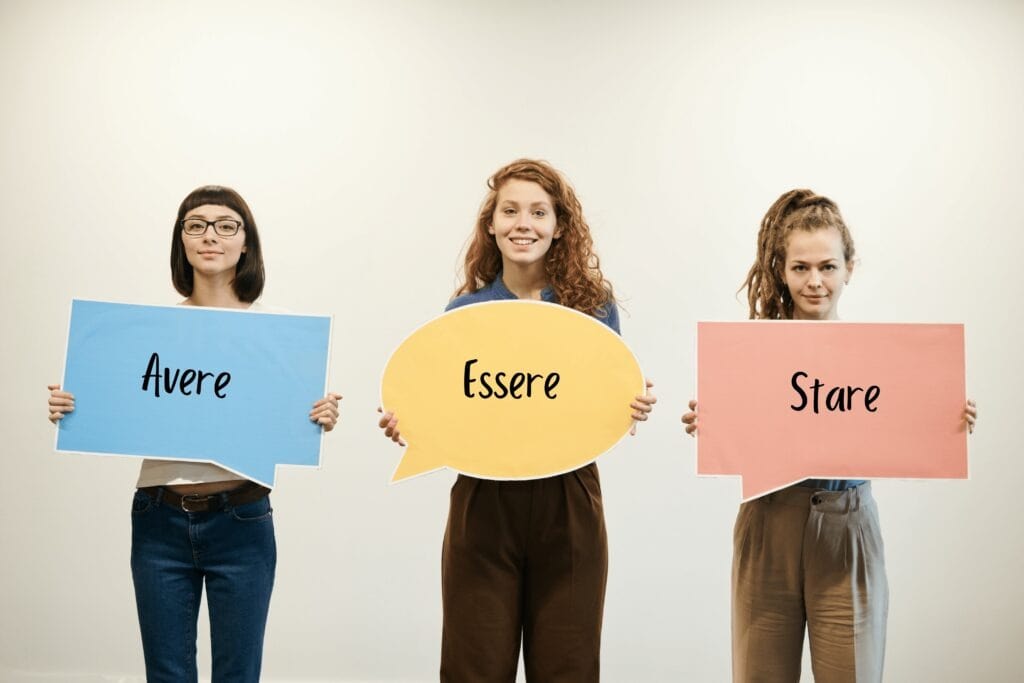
pixel 259 307
pixel 609 315
pixel 481 295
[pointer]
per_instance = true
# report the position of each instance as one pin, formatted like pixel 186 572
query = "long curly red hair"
pixel 573 268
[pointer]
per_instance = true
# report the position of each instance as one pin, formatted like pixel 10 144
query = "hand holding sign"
pixel 60 403
pixel 509 390
pixel 784 401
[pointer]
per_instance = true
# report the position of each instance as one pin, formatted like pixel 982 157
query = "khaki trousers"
pixel 806 556
pixel 524 561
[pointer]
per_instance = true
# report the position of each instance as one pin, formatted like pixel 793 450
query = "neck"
pixel 832 315
pixel 215 291
pixel 526 282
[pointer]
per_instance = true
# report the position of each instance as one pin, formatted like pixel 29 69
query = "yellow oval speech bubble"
pixel 510 390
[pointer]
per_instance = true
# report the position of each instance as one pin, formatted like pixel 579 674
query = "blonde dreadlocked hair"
pixel 572 267
pixel 767 293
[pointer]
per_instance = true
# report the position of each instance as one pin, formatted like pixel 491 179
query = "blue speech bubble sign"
pixel 232 388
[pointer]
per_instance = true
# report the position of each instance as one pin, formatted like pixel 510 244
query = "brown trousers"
pixel 815 557
pixel 524 561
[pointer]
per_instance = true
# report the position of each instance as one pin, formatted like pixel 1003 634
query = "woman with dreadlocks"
pixel 811 555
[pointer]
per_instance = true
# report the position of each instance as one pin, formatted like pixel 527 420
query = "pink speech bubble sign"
pixel 748 425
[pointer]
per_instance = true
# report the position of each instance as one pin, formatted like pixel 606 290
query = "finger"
pixel 691 428
pixel 693 405
pixel 632 430
pixel 54 417
pixel 321 416
pixel 53 387
pixel 335 395
pixel 328 400
pixel 384 420
pixel 640 417
pixel 326 409
pixel 647 398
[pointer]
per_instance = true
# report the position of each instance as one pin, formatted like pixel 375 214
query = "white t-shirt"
pixel 178 472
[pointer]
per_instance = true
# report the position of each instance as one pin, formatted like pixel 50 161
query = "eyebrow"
pixel 804 263
pixel 218 218
pixel 515 203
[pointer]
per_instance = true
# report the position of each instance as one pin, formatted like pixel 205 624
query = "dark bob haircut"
pixel 249 275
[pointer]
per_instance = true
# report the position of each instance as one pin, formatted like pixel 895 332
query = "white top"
pixel 179 472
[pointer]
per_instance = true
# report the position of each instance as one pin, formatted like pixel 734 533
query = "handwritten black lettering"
pixel 502 384
pixel 182 380
pixel 838 398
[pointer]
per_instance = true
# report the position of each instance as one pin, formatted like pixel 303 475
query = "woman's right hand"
pixel 389 423
pixel 60 403
pixel 690 419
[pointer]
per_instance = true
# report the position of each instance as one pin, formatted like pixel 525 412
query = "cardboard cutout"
pixel 228 387
pixel 510 390
pixel 782 401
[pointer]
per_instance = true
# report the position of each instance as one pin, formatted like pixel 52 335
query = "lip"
pixel 522 241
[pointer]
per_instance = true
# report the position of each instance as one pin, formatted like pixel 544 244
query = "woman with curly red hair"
pixel 527 561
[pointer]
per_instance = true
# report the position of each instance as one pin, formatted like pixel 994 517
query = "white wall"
pixel 362 133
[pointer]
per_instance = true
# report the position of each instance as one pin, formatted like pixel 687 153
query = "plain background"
pixel 362 133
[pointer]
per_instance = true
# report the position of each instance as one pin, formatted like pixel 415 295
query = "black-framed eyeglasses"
pixel 225 227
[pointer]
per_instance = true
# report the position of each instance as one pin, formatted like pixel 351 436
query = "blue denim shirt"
pixel 497 291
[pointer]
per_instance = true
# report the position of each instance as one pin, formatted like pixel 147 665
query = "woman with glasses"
pixel 196 523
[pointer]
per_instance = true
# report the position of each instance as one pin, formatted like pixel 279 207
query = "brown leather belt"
pixel 246 493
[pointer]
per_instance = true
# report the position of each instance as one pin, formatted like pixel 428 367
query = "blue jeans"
pixel 173 552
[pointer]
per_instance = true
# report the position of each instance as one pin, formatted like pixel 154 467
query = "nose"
pixel 815 278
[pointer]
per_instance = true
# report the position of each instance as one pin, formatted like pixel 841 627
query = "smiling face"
pixel 523 224
pixel 816 272
pixel 211 254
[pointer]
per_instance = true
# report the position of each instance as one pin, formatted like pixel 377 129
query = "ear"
pixel 558 233
pixel 849 271
pixel 490 229
pixel 244 248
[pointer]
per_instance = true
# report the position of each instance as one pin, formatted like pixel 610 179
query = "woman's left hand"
pixel 970 415
pixel 325 411
pixel 642 406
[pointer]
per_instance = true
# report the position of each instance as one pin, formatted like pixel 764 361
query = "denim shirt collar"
pixel 503 292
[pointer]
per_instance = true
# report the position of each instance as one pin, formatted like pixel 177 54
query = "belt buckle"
pixel 193 498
